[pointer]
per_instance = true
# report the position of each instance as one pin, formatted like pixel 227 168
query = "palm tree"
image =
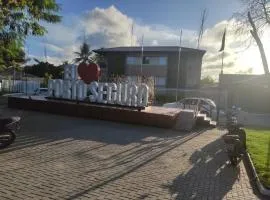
pixel 84 55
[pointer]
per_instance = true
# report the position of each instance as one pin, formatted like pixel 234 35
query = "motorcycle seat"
pixel 231 138
pixel 8 120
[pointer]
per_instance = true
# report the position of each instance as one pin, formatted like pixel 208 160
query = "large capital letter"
pixel 143 95
pixel 132 91
pixel 93 89
pixel 51 88
pixel 111 93
pixel 58 88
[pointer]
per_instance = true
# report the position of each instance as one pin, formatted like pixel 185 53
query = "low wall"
pixel 254 120
pixel 152 116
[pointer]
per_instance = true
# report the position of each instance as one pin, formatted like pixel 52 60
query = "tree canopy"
pixel 18 19
pixel 11 54
pixel 45 69
pixel 84 55
pixel 208 80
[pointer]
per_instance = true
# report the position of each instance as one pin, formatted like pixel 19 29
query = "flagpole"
pixel 131 34
pixel 221 72
pixel 219 87
pixel 178 67
pixel 142 56
pixel 222 58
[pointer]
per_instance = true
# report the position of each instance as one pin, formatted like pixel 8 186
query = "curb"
pixel 260 186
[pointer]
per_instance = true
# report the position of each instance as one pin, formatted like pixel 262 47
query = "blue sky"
pixel 173 13
pixel 107 23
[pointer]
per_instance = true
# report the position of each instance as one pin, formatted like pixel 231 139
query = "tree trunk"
pixel 255 35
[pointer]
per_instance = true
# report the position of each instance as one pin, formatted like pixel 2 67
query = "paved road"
pixel 57 157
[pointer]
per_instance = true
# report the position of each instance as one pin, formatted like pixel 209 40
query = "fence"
pixel 20 86
pixel 166 95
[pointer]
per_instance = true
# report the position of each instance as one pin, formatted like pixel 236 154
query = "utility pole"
pixel 178 67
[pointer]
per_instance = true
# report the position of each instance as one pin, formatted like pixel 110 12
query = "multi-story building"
pixel 160 62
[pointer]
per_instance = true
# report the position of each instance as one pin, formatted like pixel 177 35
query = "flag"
pixel 223 41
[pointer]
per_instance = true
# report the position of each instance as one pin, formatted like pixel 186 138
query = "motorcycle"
pixel 8 128
pixel 235 139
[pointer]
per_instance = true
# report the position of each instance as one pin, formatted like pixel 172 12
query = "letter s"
pixel 93 89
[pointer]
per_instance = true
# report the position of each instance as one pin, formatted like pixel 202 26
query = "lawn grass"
pixel 258 145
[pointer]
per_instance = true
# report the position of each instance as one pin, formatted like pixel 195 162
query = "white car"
pixel 204 106
pixel 41 92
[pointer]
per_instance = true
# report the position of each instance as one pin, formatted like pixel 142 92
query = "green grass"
pixel 258 145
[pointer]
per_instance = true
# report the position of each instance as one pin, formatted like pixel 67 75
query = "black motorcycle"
pixel 235 140
pixel 8 128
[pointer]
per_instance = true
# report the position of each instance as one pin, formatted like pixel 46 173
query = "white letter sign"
pixel 73 88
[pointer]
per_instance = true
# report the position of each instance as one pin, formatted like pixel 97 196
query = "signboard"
pixel 86 88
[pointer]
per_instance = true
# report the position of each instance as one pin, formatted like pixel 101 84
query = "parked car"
pixel 41 91
pixel 204 106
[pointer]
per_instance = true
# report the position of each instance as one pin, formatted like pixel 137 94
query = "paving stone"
pixel 56 157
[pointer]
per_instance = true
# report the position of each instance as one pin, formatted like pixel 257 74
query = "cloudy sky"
pixel 108 23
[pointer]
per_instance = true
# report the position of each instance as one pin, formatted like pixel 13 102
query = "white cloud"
pixel 110 27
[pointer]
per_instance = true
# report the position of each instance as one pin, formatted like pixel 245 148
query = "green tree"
pixel 42 68
pixel 47 77
pixel 11 54
pixel 100 60
pixel 20 18
pixel 84 55
pixel 207 80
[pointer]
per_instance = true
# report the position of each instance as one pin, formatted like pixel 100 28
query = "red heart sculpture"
pixel 88 72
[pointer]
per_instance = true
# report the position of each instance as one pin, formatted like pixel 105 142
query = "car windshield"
pixel 43 90
pixel 211 102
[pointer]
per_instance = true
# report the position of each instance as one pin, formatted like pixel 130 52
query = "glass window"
pixel 152 60
pixel 147 60
pixel 160 81
pixel 163 60
pixel 131 60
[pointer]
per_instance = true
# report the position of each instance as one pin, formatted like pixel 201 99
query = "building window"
pixel 160 81
pixel 163 60
pixel 147 60
pixel 131 60
pixel 151 60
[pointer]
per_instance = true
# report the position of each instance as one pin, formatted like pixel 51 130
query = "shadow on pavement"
pixel 211 174
pixel 39 128
pixel 56 138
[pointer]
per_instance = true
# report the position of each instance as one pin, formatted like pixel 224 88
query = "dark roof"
pixel 148 49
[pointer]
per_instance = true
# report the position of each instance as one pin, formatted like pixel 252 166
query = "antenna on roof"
pixel 45 48
pixel 131 34
pixel 84 36
pixel 201 30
